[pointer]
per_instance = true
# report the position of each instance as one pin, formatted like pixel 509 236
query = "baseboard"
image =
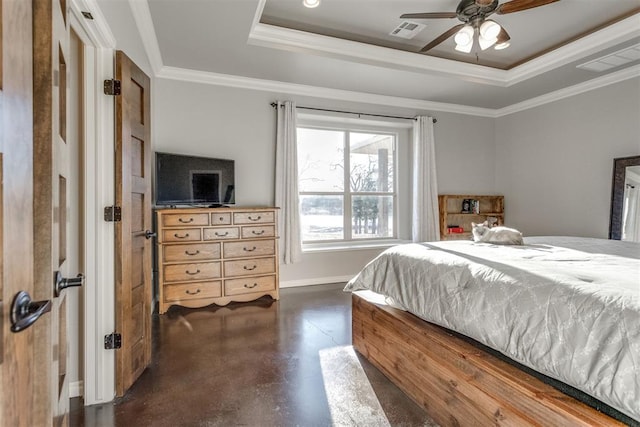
pixel 76 389
pixel 315 281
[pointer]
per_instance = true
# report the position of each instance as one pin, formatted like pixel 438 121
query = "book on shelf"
pixel 454 229
pixel 470 206
pixel 466 206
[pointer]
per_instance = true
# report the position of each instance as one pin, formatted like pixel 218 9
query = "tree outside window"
pixel 346 184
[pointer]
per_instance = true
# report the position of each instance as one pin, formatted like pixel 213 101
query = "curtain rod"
pixel 274 105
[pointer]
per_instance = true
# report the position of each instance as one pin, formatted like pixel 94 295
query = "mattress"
pixel 566 307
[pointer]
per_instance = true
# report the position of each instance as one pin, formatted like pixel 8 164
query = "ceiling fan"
pixel 474 14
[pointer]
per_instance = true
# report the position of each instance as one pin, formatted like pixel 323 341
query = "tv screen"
pixel 191 180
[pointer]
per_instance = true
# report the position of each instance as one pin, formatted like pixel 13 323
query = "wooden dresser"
pixel 216 255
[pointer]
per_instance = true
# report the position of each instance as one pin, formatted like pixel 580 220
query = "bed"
pixel 566 308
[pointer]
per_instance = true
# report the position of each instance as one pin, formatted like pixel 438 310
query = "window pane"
pixel 372 217
pixel 320 160
pixel 321 217
pixel 371 158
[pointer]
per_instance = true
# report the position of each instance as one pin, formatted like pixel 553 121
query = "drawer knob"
pixel 249 250
pixel 185 221
pixel 258 218
pixel 177 236
pixel 250 286
pixel 250 268
pixel 196 292
pixel 192 272
pixel 221 218
pixel 226 233
pixel 257 233
pixel 192 253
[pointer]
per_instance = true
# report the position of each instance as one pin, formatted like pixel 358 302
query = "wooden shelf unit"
pixel 216 255
pixel 450 207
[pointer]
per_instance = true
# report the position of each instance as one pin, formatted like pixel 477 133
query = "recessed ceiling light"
pixel 311 3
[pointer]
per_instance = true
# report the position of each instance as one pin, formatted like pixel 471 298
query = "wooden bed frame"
pixel 457 383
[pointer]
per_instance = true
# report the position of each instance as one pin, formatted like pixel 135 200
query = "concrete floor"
pixel 265 363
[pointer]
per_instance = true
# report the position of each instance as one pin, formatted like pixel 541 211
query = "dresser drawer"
pixel 249 232
pixel 192 252
pixel 223 218
pixel 220 233
pixel 181 235
pixel 257 217
pixel 192 271
pixel 190 291
pixel 249 285
pixel 248 267
pixel 249 248
pixel 176 220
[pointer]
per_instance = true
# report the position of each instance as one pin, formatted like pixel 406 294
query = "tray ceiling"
pixel 344 46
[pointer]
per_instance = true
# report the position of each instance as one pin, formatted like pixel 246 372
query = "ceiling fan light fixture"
pixel 464 36
pixel 503 40
pixel 311 3
pixel 486 43
pixel 490 29
pixel 466 48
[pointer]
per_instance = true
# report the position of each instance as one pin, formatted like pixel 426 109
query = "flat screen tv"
pixel 194 181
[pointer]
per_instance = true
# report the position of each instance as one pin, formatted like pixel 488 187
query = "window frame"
pixel 347 194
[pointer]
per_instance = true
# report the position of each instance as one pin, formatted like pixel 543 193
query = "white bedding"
pixel 566 307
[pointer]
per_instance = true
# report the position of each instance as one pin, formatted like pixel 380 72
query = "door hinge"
pixel 112 341
pixel 112 87
pixel 113 213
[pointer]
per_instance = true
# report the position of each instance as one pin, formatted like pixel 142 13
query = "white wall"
pixel 554 163
pixel 120 20
pixel 239 124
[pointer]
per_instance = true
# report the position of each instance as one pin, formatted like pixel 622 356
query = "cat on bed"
pixel 499 235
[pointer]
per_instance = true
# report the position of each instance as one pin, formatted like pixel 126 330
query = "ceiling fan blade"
pixel 442 37
pixel 427 15
pixel 519 5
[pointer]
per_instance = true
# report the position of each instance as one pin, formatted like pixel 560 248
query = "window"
pixel 347 184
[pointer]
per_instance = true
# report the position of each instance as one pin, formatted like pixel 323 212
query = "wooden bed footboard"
pixel 457 383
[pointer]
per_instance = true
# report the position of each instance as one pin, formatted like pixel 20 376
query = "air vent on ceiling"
pixel 615 59
pixel 407 29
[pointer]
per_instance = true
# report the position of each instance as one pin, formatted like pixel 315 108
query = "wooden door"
pixel 133 246
pixel 51 179
pixel 19 406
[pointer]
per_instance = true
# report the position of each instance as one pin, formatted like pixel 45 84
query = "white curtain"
pixel 425 189
pixel 631 214
pixel 287 183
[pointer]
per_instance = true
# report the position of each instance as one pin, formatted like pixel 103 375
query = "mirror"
pixel 624 222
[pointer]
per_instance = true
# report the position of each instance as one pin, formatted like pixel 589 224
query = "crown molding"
pixel 204 77
pixel 606 80
pixel 301 41
pixel 619 32
pixel 144 22
pixel 218 79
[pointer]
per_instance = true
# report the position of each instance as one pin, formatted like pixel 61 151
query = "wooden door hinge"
pixel 112 341
pixel 113 214
pixel 112 87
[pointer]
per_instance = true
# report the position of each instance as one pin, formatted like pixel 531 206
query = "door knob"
pixel 24 311
pixel 60 283
pixel 149 234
